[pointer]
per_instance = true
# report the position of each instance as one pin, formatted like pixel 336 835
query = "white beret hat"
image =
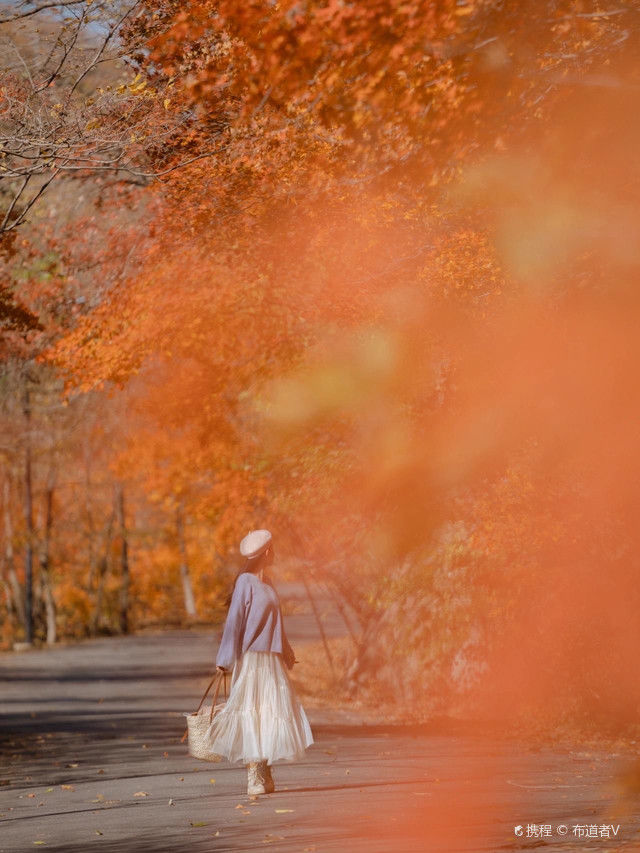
pixel 255 543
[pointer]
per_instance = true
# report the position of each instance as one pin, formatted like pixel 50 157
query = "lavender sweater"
pixel 254 623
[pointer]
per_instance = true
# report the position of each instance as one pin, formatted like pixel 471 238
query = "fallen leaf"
pixel 39 842
pixel 144 746
pixel 212 781
pixel 282 811
pixel 181 779
pixel 100 771
pixel 67 787
pixel 199 823
pixel 165 755
pixel 98 799
pixel 141 794
pixel 31 796
pixel 98 832
pixel 171 803
pixel 49 790
pixel 71 765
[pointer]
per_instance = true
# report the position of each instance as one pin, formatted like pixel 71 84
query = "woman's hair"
pixel 253 565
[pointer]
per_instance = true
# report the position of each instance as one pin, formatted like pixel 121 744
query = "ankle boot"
pixel 269 784
pixel 255 778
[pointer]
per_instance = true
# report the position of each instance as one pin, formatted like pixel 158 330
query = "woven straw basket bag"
pixel 199 721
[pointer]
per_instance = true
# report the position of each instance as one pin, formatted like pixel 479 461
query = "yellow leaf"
pixel 166 102
pixel 136 88
pixel 282 811
pixel 141 794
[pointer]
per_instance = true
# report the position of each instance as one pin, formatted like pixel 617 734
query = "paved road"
pixel 91 759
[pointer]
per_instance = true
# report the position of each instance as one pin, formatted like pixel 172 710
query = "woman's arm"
pixel 229 650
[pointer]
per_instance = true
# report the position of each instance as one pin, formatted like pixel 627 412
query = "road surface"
pixel 91 759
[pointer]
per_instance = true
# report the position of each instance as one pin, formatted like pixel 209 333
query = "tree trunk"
pixel 13 589
pixel 343 613
pixel 101 570
pixel 124 564
pixel 93 558
pixel 28 519
pixel 45 580
pixel 316 613
pixel 187 589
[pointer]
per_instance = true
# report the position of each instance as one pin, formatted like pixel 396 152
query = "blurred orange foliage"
pixel 394 315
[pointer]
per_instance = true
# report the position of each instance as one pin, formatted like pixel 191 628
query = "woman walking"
pixel 262 720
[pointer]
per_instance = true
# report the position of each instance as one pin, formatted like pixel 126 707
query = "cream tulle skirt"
pixel 262 718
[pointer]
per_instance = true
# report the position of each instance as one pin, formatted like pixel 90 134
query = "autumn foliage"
pixel 380 296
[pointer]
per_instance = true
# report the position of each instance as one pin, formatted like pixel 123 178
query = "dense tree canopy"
pixel 364 272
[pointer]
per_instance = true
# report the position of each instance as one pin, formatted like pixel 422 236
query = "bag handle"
pixel 216 678
pixel 221 676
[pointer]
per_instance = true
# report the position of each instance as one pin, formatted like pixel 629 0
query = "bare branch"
pixel 17 16
pixel 590 15
pixel 102 48
pixel 27 208
pixel 16 197
pixel 67 49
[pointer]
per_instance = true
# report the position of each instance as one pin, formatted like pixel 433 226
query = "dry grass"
pixel 321 689
pixel 313 678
